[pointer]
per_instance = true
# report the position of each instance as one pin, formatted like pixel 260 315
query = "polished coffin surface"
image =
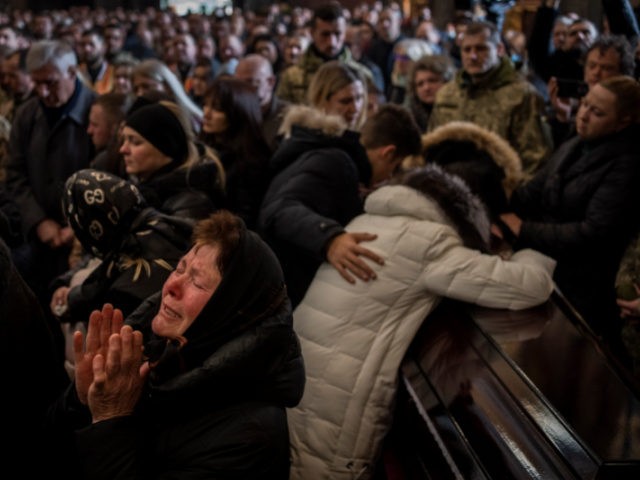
pixel 518 395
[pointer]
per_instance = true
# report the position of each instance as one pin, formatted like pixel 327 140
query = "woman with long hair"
pixel 231 125
pixel 154 75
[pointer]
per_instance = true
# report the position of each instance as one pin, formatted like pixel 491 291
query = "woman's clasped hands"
pixel 110 366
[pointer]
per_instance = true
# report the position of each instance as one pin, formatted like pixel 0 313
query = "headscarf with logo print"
pixel 100 208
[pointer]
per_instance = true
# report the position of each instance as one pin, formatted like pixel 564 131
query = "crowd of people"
pixel 221 232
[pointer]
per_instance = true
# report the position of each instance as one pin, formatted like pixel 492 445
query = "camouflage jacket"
pixel 5 129
pixel 504 103
pixel 629 272
pixel 294 81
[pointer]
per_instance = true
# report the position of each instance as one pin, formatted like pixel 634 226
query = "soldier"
pixel 489 91
pixel 328 29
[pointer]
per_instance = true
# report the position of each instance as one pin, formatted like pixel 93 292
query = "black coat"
pixel 213 407
pixel 313 195
pixel 192 192
pixel 578 210
pixel 33 374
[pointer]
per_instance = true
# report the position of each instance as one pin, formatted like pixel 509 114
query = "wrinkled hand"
pixel 101 325
pixel 344 254
pixel 119 377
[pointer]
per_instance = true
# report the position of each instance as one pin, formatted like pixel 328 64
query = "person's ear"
pixel 272 81
pixel 500 49
pixel 72 70
pixel 388 152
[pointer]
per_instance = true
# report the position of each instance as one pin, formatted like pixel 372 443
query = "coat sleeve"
pixel 17 177
pixel 292 214
pixel 539 45
pixel 457 272
pixel 622 20
pixel 112 449
pixel 604 215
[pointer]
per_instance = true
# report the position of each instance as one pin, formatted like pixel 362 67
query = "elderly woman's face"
pixel 187 291
pixel 347 102
pixel 597 115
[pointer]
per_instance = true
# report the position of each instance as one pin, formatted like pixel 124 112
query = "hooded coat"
pixel 483 159
pixel 318 171
pixel 354 336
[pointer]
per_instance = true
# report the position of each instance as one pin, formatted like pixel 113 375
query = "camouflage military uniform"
pixel 629 271
pixel 504 103
pixel 294 81
pixel 627 279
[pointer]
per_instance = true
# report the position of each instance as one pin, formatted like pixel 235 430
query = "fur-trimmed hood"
pixel 484 141
pixel 313 119
pixel 450 201
pixel 306 129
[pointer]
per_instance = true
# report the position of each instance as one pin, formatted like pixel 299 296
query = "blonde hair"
pixel 332 77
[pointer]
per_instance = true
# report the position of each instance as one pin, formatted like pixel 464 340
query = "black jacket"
pixel 313 195
pixel 214 406
pixel 192 192
pixel 578 211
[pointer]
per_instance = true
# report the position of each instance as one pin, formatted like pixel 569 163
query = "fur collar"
pixel 313 119
pixel 430 193
pixel 493 144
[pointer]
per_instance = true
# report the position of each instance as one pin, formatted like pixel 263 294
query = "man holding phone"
pixel 608 56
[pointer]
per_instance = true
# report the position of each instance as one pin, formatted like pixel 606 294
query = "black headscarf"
pixel 252 290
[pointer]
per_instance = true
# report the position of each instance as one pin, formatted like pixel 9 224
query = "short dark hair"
pixel 328 12
pixel 392 125
pixel 621 45
pixel 480 26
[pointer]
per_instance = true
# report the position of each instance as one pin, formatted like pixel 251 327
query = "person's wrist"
pixel 101 417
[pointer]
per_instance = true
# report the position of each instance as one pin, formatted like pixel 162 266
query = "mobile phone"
pixel 570 88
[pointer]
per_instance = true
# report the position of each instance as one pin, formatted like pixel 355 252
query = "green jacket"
pixel 503 103
pixel 294 81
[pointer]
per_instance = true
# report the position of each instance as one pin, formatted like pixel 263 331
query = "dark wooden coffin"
pixel 498 395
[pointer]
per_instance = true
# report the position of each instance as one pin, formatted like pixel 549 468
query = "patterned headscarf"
pixel 100 208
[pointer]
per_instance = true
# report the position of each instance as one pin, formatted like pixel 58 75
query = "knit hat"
pixel 160 127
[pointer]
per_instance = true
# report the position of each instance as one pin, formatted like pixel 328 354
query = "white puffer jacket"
pixel 355 336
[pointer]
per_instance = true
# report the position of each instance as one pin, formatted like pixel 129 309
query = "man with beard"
pixel 328 28
pixel 94 66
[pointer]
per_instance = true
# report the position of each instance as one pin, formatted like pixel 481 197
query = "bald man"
pixel 256 70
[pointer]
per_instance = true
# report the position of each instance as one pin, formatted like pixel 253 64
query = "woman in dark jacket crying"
pixel 195 384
